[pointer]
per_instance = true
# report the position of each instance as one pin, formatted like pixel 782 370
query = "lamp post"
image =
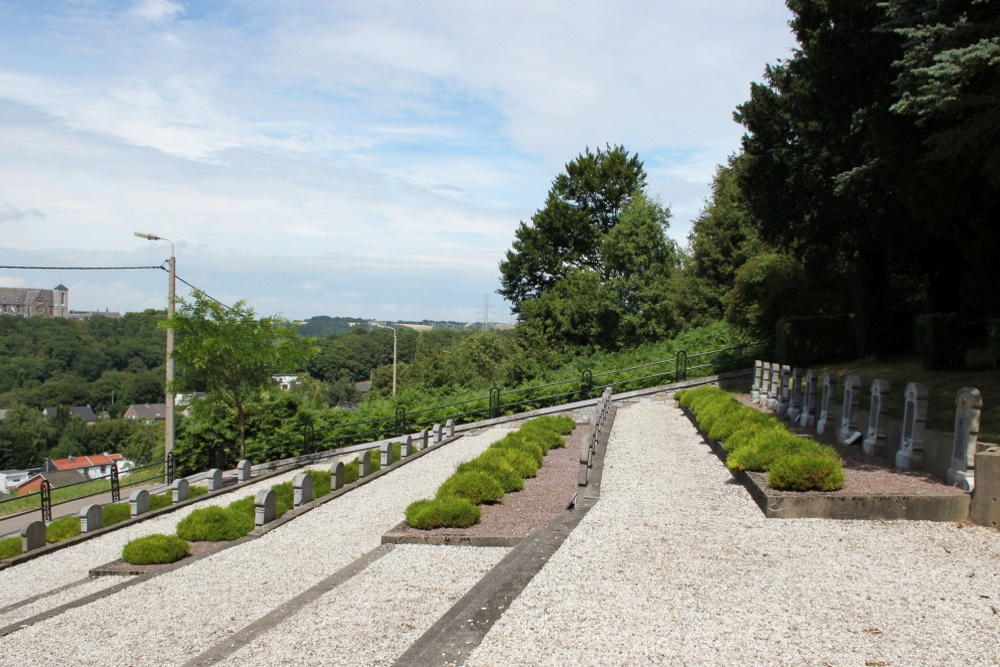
pixel 384 326
pixel 168 440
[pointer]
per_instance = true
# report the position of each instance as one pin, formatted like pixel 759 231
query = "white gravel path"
pixel 374 617
pixel 676 565
pixel 176 616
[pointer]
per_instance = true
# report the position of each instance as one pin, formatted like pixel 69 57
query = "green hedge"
pixel 215 524
pixel 450 512
pixel 10 547
pixel 155 548
pixel 940 341
pixel 475 486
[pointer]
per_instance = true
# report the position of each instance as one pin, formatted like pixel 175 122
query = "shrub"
pixel 195 491
pixel 498 468
pixel 718 409
pixel 812 469
pixel 62 529
pixel 521 445
pixel 737 420
pixel 940 341
pixel 322 481
pixel 450 512
pixel 745 436
pixel 475 486
pixel 160 500
pixel 561 424
pixel 216 524
pixel 155 548
pixel 115 513
pixel 764 449
pixel 286 497
pixel 10 547
pixel 351 472
pixel 541 436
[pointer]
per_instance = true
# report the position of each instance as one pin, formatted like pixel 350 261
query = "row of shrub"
pixel 223 524
pixel 759 442
pixel 501 469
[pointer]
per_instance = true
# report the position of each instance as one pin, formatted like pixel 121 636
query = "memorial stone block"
pixel 406 448
pixel 829 384
pixel 848 428
pixel 437 433
pixel 874 443
pixel 795 396
pixel 774 386
pixel 138 502
pixel 758 379
pixel 807 418
pixel 781 403
pixel 968 406
pixel 365 463
pixel 179 490
pixel 33 536
pixel 302 488
pixel 449 428
pixel 337 476
pixel 911 443
pixel 265 505
pixel 423 439
pixel 91 518
pixel 765 382
pixel 243 470
pixel 385 452
pixel 213 481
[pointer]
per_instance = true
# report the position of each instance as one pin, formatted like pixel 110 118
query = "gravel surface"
pixel 374 617
pixel 179 614
pixel 676 565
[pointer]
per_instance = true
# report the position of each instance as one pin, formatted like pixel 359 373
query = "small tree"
pixel 230 352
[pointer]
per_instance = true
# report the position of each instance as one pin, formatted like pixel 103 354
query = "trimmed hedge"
pixel 808 470
pixel 62 529
pixel 475 486
pixel 10 547
pixel 216 524
pixel 499 469
pixel 156 548
pixel 450 512
pixel 115 513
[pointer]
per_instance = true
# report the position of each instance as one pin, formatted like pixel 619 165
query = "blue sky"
pixel 369 159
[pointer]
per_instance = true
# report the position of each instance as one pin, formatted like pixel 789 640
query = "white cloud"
pixel 157 11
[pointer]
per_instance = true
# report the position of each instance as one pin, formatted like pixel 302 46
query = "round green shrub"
pixel 62 529
pixel 561 424
pixel 523 463
pixel 498 468
pixel 735 420
pixel 216 524
pixel 715 411
pixel 744 436
pixel 764 449
pixel 450 512
pixel 10 547
pixel 812 469
pixel 546 439
pixel 475 486
pixel 156 548
pixel 115 513
pixel 521 445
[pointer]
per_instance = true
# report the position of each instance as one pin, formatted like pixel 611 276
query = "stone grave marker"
pixel 781 403
pixel 138 502
pixel 365 464
pixel 437 433
pixel 265 505
pixel 774 386
pixel 91 518
pixel 758 378
pixel 911 442
pixel 765 382
pixel 829 384
pixel 243 470
pixel 406 448
pixel 807 418
pixel 449 428
pixel 33 536
pixel 302 489
pixel 968 407
pixel 385 454
pixel 214 479
pixel 337 476
pixel 424 433
pixel 179 490
pixel 874 443
pixel 848 428
pixel 795 397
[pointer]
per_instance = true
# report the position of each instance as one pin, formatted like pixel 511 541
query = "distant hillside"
pixel 322 326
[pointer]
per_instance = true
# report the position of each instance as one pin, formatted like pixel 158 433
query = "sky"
pixel 365 159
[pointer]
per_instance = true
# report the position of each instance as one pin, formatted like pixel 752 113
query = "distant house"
pixel 34 302
pixel 56 478
pixel 84 412
pixel 286 382
pixel 9 479
pixel 147 412
pixel 92 467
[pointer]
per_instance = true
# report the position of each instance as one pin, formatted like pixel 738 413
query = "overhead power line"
pixel 84 268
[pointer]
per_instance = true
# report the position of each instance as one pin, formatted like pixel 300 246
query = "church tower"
pixel 60 301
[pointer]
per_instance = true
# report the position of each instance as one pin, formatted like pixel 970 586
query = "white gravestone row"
pixel 874 443
pixel 781 403
pixel 795 397
pixel 911 443
pixel 829 383
pixel 773 387
pixel 848 432
pixel 807 418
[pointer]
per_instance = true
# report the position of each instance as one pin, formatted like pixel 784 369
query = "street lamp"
pixel 384 326
pixel 168 440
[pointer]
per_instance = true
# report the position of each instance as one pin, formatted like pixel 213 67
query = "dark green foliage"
pixel 813 469
pixel 62 529
pixel 766 288
pixel 10 547
pixel 475 486
pixel 940 341
pixel 994 341
pixel 450 512
pixel 115 513
pixel 816 339
pixel 216 524
pixel 156 548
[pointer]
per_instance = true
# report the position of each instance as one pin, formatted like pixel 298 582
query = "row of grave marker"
pixel 792 394
pixel 265 502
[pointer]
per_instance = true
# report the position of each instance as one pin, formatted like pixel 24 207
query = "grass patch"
pixel 115 513
pixel 807 470
pixel 216 524
pixel 10 547
pixel 156 548
pixel 62 529
pixel 475 486
pixel 451 512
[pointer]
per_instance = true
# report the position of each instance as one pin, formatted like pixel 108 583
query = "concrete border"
pixel 398 535
pixel 816 505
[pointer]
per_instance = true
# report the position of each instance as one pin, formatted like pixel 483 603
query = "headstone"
pixel 795 397
pixel 365 463
pixel 829 388
pixel 968 406
pixel 214 479
pixel 807 418
pixel 424 434
pixel 874 442
pixel 91 518
pixel 406 448
pixel 781 403
pixel 138 502
pixel 758 372
pixel 386 454
pixel 302 486
pixel 437 433
pixel 243 470
pixel 33 536
pixel 337 476
pixel 265 505
pixel 449 428
pixel 774 387
pixel 765 382
pixel 179 490
pixel 911 442
pixel 849 411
